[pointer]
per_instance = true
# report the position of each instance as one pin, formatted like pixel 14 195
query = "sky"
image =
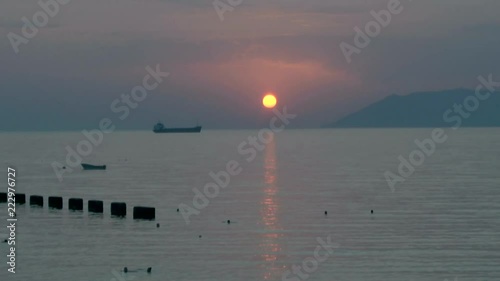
pixel 91 52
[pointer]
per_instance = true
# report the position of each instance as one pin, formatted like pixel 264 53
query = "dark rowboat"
pixel 93 167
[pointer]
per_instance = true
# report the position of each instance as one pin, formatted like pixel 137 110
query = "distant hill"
pixel 424 109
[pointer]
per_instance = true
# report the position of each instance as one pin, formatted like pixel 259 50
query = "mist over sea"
pixel 441 223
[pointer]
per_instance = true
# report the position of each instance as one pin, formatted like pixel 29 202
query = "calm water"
pixel 442 223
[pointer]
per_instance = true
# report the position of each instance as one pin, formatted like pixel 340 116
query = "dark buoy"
pixel 149 270
pixel 326 213
pixel 125 269
pixel 157 225
pixel 177 210
pixel 228 221
pixel 372 212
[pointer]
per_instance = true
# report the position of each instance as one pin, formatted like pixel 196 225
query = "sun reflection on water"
pixel 269 207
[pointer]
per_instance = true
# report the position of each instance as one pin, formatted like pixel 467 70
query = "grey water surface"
pixel 442 222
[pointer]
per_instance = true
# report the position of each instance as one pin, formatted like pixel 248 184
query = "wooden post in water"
pixel 75 204
pixel 118 209
pixel 55 202
pixel 144 213
pixel 96 206
pixel 20 198
pixel 36 200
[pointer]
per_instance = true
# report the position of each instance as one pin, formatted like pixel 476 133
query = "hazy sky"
pixel 93 51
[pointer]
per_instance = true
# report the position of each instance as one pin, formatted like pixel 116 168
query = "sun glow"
pixel 269 101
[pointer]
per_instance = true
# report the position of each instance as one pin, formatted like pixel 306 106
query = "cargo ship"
pixel 160 128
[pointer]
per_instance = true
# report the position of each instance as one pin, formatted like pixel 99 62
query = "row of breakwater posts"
pixel 118 209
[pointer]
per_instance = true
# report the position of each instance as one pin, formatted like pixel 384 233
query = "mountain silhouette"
pixel 427 109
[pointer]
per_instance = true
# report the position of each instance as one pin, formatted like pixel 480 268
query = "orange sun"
pixel 269 101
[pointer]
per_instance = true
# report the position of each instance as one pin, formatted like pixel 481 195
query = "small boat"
pixel 160 128
pixel 93 167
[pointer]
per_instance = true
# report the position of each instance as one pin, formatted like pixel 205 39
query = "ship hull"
pixel 93 167
pixel 178 130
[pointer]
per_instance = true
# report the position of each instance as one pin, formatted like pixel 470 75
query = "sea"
pixel 439 221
